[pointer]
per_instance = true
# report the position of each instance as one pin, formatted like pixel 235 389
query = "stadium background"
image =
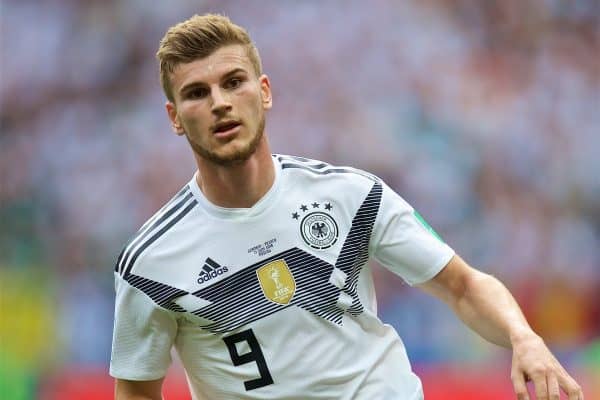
pixel 485 115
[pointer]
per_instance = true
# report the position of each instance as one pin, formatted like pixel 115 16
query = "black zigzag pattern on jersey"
pixel 141 243
pixel 152 223
pixel 320 168
pixel 160 293
pixel 238 299
pixel 355 251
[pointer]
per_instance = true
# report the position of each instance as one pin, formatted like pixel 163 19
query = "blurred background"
pixel 484 115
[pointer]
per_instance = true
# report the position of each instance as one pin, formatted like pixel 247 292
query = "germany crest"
pixel 317 228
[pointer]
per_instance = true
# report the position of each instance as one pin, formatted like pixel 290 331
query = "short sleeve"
pixel 143 335
pixel 404 243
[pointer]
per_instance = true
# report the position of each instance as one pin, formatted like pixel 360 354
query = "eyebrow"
pixel 193 85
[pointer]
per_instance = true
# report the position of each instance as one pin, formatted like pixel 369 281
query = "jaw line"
pixel 236 158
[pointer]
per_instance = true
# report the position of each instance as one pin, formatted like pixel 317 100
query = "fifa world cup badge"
pixel 277 282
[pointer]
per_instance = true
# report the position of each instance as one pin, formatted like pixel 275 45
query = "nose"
pixel 220 102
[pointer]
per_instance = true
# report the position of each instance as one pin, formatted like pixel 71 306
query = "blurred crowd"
pixel 484 115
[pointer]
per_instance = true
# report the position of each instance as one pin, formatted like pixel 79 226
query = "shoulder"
pixel 162 224
pixel 323 171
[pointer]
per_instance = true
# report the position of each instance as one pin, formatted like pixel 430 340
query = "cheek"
pixel 193 116
pixel 256 106
pixel 251 98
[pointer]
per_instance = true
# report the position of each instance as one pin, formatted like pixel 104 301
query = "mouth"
pixel 225 127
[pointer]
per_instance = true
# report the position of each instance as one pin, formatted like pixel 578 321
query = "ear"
pixel 174 118
pixel 265 92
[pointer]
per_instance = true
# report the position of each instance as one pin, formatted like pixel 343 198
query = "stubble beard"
pixel 237 157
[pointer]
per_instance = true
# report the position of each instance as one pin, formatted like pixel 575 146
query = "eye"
pixel 233 83
pixel 197 93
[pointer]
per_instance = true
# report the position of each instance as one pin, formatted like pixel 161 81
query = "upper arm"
pixel 452 281
pixel 138 390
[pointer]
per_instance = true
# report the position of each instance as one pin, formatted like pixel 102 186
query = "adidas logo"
pixel 210 270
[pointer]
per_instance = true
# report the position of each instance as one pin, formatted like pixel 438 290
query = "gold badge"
pixel 277 282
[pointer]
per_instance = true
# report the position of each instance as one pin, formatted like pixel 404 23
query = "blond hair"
pixel 199 37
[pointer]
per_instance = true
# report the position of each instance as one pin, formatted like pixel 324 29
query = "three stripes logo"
pixel 211 270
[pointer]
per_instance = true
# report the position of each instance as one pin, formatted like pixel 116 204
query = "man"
pixel 256 271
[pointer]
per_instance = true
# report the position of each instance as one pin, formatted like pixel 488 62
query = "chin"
pixel 232 157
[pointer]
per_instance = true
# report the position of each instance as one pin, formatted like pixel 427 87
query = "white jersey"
pixel 275 301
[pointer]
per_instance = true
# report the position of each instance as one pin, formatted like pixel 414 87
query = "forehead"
pixel 212 68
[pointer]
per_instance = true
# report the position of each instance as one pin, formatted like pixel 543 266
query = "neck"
pixel 240 185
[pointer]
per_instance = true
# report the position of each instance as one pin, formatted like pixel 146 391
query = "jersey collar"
pixel 238 213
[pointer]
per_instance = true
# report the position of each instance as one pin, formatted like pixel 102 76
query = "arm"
pixel 138 390
pixel 487 307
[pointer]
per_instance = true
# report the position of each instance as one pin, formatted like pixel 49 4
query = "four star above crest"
pixel 304 208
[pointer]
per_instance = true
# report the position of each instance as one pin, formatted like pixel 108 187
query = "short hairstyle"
pixel 199 37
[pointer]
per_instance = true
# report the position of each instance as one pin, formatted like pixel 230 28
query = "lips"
pixel 225 126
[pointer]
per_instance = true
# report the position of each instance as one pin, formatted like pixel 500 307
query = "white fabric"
pixel 403 245
pixel 143 334
pixel 327 342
